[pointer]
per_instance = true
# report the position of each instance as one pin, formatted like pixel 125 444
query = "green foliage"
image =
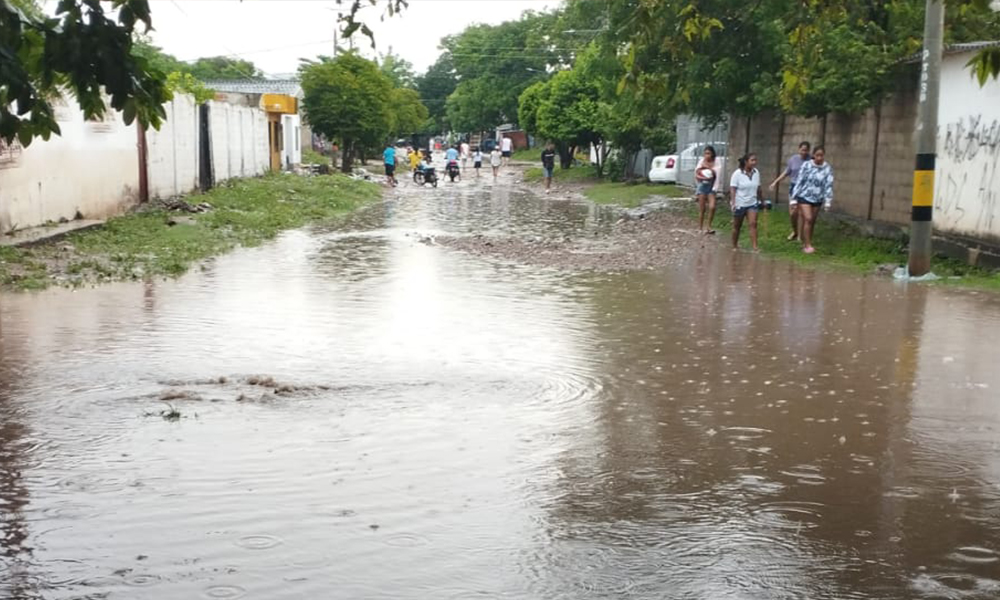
pixel 408 113
pixel 224 68
pixel 435 86
pixel 398 70
pixel 186 83
pixel 495 64
pixel 82 49
pixel 246 212
pixel 351 101
pixel 985 64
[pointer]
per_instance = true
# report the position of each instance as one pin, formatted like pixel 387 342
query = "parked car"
pixel 664 169
pixel 679 168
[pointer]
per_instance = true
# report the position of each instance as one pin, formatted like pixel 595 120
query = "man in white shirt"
pixel 507 149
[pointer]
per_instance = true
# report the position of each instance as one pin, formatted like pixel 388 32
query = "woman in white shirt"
pixel 745 198
pixel 496 158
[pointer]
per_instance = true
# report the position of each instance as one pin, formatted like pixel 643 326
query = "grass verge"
pixel 631 195
pixel 578 174
pixel 155 242
pixel 840 244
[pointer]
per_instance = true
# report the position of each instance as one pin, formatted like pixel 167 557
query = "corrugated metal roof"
pixel 958 49
pixel 290 87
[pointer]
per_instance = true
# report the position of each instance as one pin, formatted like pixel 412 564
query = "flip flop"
pixel 792 237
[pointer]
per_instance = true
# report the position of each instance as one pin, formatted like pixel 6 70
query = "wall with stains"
pixel 967 188
pixel 90 171
pixel 239 140
pixel 173 150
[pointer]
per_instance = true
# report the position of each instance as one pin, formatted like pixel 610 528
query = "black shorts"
pixel 505 154
pixel 802 200
pixel 478 164
pixel 390 170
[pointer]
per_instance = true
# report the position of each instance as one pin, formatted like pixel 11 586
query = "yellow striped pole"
pixel 927 122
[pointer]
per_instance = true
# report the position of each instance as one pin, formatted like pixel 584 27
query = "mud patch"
pixel 649 241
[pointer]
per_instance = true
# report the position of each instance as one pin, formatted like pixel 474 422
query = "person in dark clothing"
pixel 548 165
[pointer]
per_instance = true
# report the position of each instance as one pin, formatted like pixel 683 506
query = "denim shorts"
pixel 741 211
pixel 705 188
pixel 791 194
pixel 802 200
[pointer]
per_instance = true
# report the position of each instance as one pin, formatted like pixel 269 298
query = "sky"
pixel 274 34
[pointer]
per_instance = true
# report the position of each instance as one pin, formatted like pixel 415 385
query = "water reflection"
pixel 367 415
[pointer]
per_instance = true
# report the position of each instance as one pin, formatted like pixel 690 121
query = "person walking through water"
pixel 507 148
pixel 791 171
pixel 477 160
pixel 707 185
pixel 745 198
pixel 813 190
pixel 464 150
pixel 389 158
pixel 496 159
pixel 549 165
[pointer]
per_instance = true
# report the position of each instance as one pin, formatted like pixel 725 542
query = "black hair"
pixel 806 144
pixel 744 159
pixel 712 150
pixel 819 149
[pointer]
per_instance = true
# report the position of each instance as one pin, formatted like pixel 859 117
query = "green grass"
pixel 528 155
pixel 631 195
pixel 578 174
pixel 310 156
pixel 843 245
pixel 245 212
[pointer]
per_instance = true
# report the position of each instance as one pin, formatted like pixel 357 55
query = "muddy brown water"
pixel 430 424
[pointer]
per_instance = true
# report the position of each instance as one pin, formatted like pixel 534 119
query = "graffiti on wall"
pixel 968 184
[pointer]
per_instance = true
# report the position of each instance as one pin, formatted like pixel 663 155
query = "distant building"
pixel 281 100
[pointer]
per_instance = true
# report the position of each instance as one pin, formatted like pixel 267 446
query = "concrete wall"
pixel 239 140
pixel 967 191
pixel 173 150
pixel 871 153
pixel 91 170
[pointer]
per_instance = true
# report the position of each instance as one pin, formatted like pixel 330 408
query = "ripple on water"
pixel 406 540
pixel 806 474
pixel 975 555
pixel 791 514
pixel 745 433
pixel 259 542
pixel 141 580
pixel 902 491
pixel 225 592
pixel 957 586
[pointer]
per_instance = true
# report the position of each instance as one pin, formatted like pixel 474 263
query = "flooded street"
pixel 357 412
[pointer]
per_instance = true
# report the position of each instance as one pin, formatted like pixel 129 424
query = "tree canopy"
pixel 351 101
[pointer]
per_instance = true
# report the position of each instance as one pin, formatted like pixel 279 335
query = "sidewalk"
pixel 44 233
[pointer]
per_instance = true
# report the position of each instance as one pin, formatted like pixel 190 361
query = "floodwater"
pixel 442 426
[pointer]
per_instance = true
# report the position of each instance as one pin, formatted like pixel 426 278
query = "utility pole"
pixel 921 225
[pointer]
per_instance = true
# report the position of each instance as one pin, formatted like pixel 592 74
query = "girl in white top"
pixel 477 160
pixel 496 158
pixel 745 198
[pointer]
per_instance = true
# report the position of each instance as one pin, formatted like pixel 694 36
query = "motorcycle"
pixel 453 170
pixel 425 175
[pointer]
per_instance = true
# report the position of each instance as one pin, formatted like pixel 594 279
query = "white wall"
pixel 291 153
pixel 92 168
pixel 239 140
pixel 967 190
pixel 173 150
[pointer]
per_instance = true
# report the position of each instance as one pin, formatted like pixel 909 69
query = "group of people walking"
pixel 810 190
pixel 463 153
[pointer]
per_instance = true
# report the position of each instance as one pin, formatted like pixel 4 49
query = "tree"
pixel 399 71
pixel 347 99
pixel 435 86
pixel 224 68
pixel 494 64
pixel 85 51
pixel 408 114
pixel 82 50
